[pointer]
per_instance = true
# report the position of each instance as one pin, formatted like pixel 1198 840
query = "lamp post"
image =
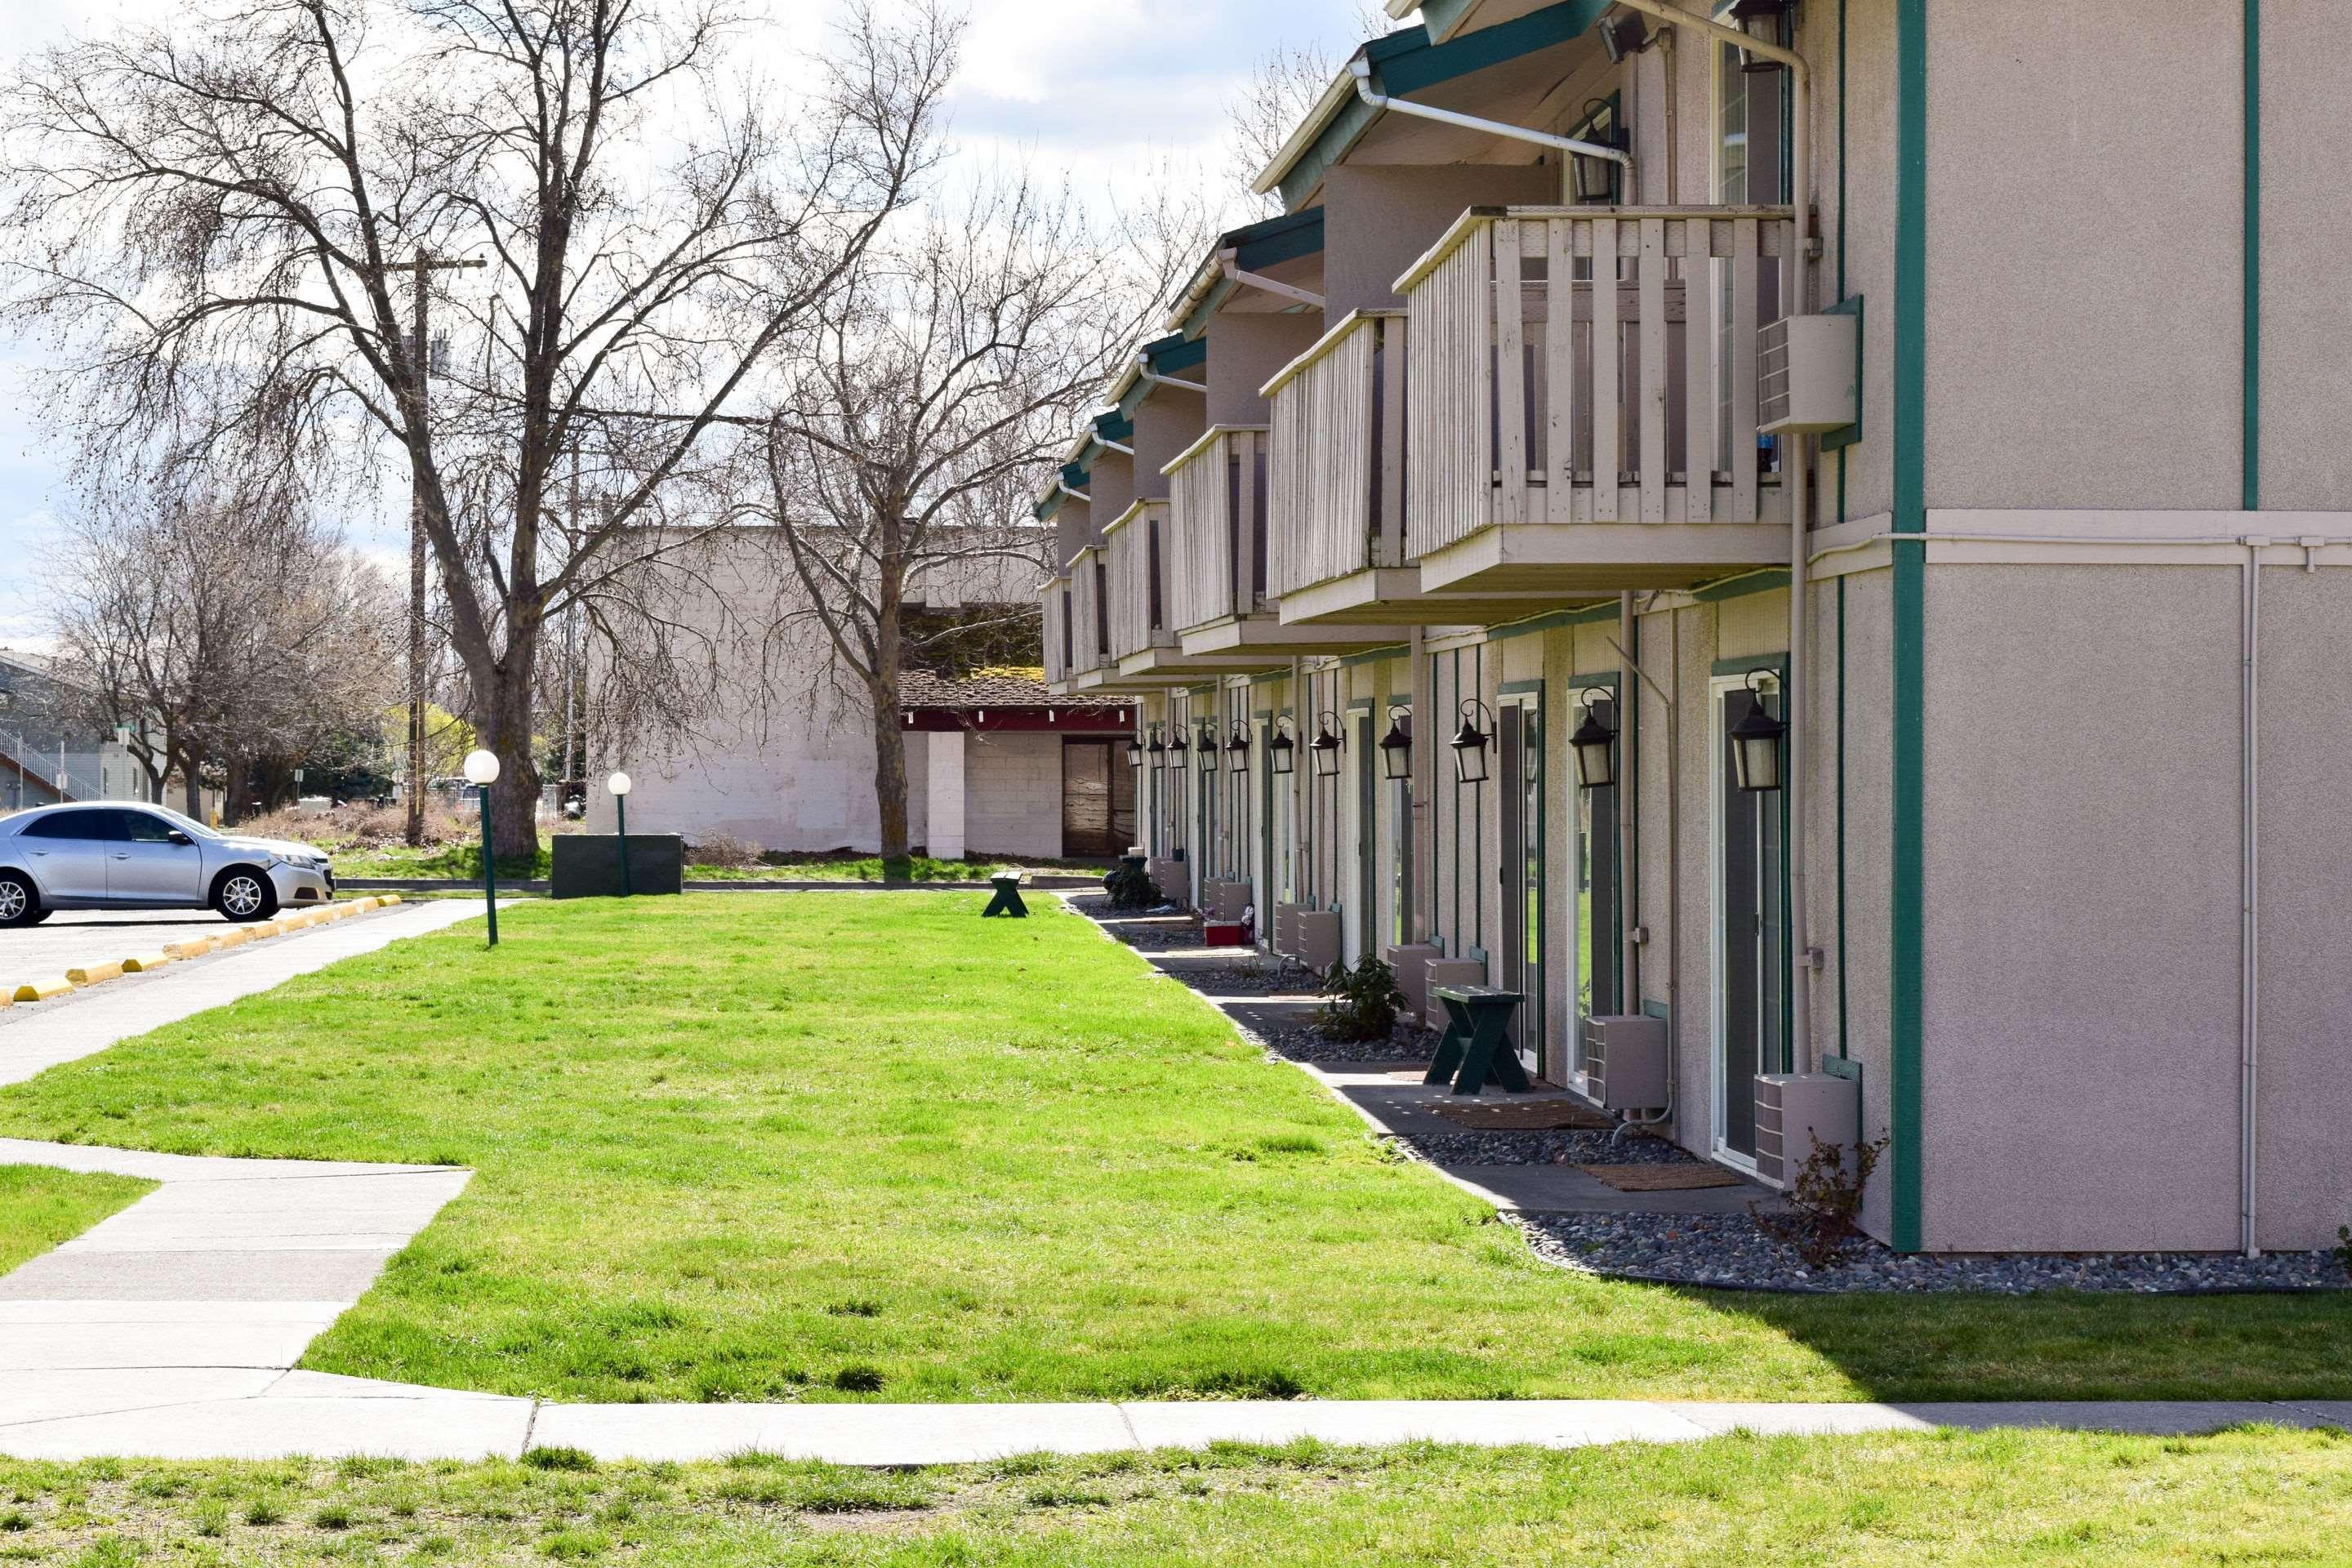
pixel 482 771
pixel 620 785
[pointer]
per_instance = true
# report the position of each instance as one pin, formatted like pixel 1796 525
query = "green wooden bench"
pixel 1007 901
pixel 1474 1051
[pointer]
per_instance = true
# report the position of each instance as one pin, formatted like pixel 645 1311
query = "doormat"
pixel 1675 1178
pixel 1547 1116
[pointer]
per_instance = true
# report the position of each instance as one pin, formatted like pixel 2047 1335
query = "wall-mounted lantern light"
pixel 1180 750
pixel 1237 748
pixel 1756 742
pixel 1595 176
pixel 1281 748
pixel 1761 20
pixel 1134 748
pixel 1469 742
pixel 1327 745
pixel 1158 750
pixel 1396 746
pixel 1595 743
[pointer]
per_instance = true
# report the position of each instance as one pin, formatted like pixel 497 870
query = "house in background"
pixel 52 748
pixel 1805 537
pixel 784 761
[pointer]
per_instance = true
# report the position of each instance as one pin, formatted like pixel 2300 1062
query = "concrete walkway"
pixel 171 1329
pixel 36 1036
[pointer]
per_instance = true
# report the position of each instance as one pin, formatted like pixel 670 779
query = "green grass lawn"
pixel 829 1148
pixel 1958 1501
pixel 41 1206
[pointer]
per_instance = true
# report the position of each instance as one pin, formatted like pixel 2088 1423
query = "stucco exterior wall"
pixel 1245 348
pixel 2082 237
pixel 2307 330
pixel 1379 218
pixel 1166 422
pixel 2080 994
pixel 1859 972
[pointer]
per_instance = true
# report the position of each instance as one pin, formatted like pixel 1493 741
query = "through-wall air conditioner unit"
pixel 1808 375
pixel 1795 1111
pixel 1626 1061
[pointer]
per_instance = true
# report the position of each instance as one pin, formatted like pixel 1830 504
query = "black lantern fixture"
pixel 1158 750
pixel 1469 743
pixel 1237 748
pixel 1396 746
pixel 1134 748
pixel 1756 742
pixel 1761 20
pixel 1595 176
pixel 1280 749
pixel 1327 745
pixel 1595 743
pixel 1207 744
pixel 1179 751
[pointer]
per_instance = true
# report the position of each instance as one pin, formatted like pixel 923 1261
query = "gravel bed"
pixel 1731 1251
pixel 1563 1146
pixel 1244 979
pixel 1307 1042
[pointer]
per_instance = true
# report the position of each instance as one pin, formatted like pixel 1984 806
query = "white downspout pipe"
pixel 1110 446
pixel 1362 68
pixel 1062 487
pixel 1228 266
pixel 1801 198
pixel 1150 377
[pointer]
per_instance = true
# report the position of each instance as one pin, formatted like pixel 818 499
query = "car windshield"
pixel 185 823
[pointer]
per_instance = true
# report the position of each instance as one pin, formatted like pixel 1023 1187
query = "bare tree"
pixel 223 223
pixel 1285 82
pixel 950 370
pixel 230 634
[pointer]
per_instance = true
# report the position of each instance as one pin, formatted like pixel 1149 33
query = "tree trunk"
pixel 501 718
pixel 890 769
pixel 191 789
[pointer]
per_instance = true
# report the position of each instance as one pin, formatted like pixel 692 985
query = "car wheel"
pixel 20 905
pixel 244 895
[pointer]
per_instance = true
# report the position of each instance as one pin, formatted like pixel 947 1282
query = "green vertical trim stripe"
pixel 1906 939
pixel 2251 411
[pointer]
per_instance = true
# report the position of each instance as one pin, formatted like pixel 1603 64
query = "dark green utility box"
pixel 588 865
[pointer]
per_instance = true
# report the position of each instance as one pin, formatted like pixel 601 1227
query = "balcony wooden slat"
pixel 1743 325
pixel 1653 364
pixel 1700 438
pixel 1510 383
pixel 1323 446
pixel 1607 446
pixel 1561 384
pixel 1216 517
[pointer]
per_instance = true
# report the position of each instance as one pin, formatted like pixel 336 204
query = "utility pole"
pixel 422 354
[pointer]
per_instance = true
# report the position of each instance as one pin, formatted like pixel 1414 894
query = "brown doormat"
pixel 1673 1178
pixel 1547 1116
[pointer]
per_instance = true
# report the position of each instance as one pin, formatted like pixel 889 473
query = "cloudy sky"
pixel 1101 88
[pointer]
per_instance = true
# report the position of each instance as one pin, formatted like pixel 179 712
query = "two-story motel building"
pixel 1933 410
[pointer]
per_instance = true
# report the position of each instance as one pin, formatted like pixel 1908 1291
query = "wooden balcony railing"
pixel 1060 653
pixel 1582 364
pixel 1136 606
pixel 1089 628
pixel 1339 461
pixel 1217 496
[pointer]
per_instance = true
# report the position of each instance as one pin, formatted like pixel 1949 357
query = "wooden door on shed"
pixel 1097 797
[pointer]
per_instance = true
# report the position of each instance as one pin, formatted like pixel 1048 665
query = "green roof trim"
pixel 1406 61
pixel 1114 426
pixel 1256 247
pixel 1173 352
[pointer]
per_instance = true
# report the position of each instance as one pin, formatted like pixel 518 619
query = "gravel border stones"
pixel 1733 1252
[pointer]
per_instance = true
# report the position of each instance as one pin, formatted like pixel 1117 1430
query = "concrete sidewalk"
pixel 36 1036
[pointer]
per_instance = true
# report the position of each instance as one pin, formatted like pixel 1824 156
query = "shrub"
pixel 724 850
pixel 1131 886
pixel 1827 1198
pixel 2344 1247
pixel 1364 1000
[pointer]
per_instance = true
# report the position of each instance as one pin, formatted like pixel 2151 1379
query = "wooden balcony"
pixel 1339 556
pixel 1583 416
pixel 1053 600
pixel 1225 534
pixel 1089 628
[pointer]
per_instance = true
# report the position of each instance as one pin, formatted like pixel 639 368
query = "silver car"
pixel 119 856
